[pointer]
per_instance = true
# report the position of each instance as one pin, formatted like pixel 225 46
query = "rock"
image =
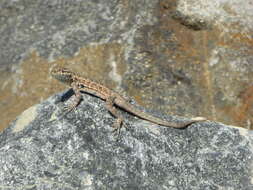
pixel 184 56
pixel 45 149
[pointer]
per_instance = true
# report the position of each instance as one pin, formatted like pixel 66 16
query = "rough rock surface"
pixel 43 149
pixel 182 57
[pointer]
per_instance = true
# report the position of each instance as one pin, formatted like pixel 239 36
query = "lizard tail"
pixel 132 109
pixel 174 124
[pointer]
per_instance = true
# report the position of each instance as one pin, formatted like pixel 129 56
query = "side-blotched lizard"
pixel 80 84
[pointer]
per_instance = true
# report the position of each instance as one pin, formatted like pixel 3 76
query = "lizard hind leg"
pixel 119 119
pixel 117 126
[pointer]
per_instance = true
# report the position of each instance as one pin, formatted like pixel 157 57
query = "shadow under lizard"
pixel 80 84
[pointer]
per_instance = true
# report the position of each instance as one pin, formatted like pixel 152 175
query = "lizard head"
pixel 62 74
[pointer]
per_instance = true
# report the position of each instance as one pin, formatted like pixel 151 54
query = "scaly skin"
pixel 112 98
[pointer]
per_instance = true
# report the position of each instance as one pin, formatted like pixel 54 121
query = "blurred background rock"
pixel 177 57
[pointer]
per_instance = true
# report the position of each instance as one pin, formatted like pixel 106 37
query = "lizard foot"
pixel 117 125
pixel 69 108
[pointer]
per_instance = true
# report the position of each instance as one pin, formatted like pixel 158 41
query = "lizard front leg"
pixel 111 108
pixel 77 88
pixel 77 99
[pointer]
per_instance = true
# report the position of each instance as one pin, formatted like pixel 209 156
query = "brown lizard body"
pixel 112 98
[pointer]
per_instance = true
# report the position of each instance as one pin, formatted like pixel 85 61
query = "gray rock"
pixel 183 57
pixel 45 149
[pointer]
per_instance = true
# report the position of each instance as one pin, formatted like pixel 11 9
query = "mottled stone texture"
pixel 185 57
pixel 43 149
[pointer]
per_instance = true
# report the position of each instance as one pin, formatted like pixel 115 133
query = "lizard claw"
pixel 116 132
pixel 69 108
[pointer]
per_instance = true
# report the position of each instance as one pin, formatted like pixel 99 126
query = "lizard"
pixel 80 84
